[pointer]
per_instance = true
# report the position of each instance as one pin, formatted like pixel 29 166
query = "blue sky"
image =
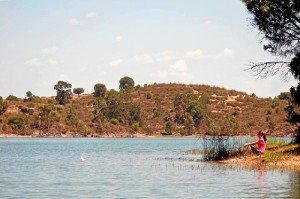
pixel 84 42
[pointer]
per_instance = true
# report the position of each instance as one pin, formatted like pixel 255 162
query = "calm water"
pixel 129 168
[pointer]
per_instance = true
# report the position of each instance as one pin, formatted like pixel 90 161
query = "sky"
pixel 85 42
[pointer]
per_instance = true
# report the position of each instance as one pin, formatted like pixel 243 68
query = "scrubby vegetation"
pixel 158 109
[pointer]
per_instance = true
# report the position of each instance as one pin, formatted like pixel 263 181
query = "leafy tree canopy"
pixel 29 94
pixel 126 83
pixel 63 92
pixel 279 22
pixel 78 91
pixel 12 98
pixel 3 105
pixel 99 90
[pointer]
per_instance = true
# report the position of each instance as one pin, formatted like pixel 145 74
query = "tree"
pixel 12 98
pixel 45 116
pixel 157 110
pixel 78 91
pixel 29 95
pixel 63 92
pixel 279 22
pixel 99 90
pixel 285 96
pixel 71 118
pixel 100 110
pixel 196 110
pixel 3 105
pixel 126 83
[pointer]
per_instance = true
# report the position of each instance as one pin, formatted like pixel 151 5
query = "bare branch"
pixel 264 69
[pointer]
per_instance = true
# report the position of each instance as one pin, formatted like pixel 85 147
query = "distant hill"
pixel 149 110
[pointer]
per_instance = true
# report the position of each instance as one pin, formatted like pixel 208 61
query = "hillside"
pixel 147 111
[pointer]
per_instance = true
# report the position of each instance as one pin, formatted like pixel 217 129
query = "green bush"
pixel 114 121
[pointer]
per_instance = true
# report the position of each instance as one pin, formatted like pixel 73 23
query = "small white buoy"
pixel 81 157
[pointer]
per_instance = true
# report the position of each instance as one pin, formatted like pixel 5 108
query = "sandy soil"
pixel 290 162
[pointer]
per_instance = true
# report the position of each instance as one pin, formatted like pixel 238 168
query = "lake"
pixel 129 168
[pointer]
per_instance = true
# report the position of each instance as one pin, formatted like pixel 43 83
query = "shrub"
pixel 12 98
pixel 219 148
pixel 114 121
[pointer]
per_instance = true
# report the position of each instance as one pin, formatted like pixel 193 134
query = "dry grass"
pixel 280 155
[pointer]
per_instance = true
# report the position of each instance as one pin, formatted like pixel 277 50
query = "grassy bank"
pixel 278 155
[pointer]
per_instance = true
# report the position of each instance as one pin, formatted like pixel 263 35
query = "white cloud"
pixel 118 38
pixel 92 14
pixel 116 62
pixel 197 54
pixel 33 62
pixel 155 57
pixel 173 74
pixel 228 52
pixel 75 22
pixel 180 65
pixel 50 50
pixel 167 55
pixel 146 58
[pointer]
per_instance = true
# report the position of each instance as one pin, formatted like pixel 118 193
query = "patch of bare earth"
pixel 288 162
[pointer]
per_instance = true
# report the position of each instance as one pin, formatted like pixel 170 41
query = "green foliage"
pixel 100 110
pixel 131 110
pixel 135 126
pixel 71 118
pixel 3 105
pixel 99 90
pixel 114 121
pixel 126 83
pixel 279 21
pixel 186 107
pixel 63 92
pixel 188 126
pixel 31 98
pixel 196 109
pixel 157 110
pixel 25 110
pixel 78 91
pixel 148 96
pixel 219 148
pixel 29 95
pixel 17 123
pixel 46 120
pixel 285 96
pixel 12 98
pixel 170 126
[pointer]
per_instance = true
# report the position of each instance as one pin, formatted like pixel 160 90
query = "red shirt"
pixel 261 145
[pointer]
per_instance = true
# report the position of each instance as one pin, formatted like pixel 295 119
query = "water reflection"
pixel 129 168
pixel 295 185
pixel 261 175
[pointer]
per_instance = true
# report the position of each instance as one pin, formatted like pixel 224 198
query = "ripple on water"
pixel 128 168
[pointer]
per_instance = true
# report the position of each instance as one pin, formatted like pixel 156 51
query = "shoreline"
pixel 291 162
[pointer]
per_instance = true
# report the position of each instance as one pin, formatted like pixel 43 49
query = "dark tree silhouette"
pixel 126 83
pixel 63 92
pixel 279 22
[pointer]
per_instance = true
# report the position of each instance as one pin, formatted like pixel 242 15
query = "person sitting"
pixel 261 145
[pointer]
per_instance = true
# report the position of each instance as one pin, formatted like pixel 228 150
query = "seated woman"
pixel 261 145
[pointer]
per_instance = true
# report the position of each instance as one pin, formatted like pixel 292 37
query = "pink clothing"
pixel 261 145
